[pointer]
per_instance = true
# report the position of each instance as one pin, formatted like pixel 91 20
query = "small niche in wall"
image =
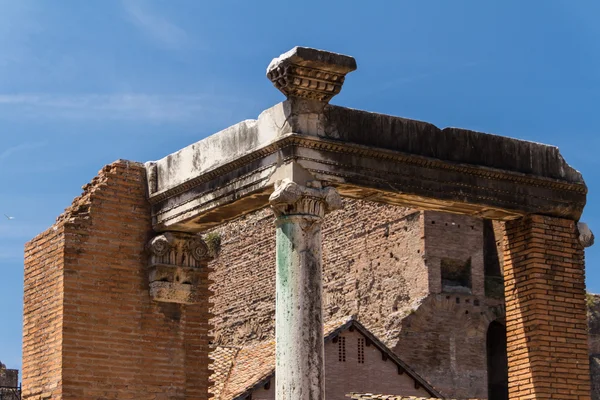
pixel 456 275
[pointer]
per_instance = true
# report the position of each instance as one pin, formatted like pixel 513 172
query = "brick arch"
pixel 497 363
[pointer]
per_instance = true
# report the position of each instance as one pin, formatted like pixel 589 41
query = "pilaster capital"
pixel 174 267
pixel 178 248
pixel 290 198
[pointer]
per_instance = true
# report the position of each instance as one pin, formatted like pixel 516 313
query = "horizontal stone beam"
pixel 365 156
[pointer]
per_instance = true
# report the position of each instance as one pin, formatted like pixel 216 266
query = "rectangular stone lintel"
pixel 363 155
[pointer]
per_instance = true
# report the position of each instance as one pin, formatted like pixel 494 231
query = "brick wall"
pixel 444 340
pixel 107 339
pixel 373 375
pixel 381 263
pixel 456 238
pixel 373 268
pixel 42 315
pixel 593 314
pixel 546 310
pixel 91 330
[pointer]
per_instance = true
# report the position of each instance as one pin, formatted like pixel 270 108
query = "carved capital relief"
pixel 305 82
pixel 309 73
pixel 312 200
pixel 174 267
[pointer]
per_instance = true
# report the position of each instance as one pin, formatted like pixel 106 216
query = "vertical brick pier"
pixel 545 310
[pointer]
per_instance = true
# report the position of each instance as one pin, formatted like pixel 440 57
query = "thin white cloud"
pixel 6 153
pixel 124 106
pixel 158 28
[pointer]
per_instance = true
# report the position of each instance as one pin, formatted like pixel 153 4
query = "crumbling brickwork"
pixel 43 314
pixel 373 268
pixel 381 264
pixel 454 239
pixel 91 330
pixel 546 310
pixel 444 340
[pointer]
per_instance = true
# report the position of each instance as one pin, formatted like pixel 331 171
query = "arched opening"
pixel 497 362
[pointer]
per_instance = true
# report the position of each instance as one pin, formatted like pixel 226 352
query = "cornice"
pixel 328 145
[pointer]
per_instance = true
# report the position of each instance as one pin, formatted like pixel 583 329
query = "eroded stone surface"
pixel 290 198
pixel 310 73
pixel 299 287
pixel 586 237
pixel 365 156
pixel 174 268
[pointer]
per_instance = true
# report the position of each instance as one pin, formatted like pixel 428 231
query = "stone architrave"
pixel 176 259
pixel 299 212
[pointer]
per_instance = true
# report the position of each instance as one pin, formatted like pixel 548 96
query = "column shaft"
pixel 299 316
pixel 299 365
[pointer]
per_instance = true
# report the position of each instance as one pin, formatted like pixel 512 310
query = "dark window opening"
pixel 361 350
pixel 497 362
pixel 456 275
pixel 342 349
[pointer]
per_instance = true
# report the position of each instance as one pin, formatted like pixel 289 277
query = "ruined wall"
pixel 111 340
pixel 43 314
pixel 8 377
pixel 454 241
pixel 593 315
pixel 373 268
pixel 444 340
pixel 391 275
pixel 9 383
pixel 380 264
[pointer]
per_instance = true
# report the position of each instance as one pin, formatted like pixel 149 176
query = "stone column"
pixel 546 323
pixel 299 317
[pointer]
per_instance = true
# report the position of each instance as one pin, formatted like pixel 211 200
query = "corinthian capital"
pixel 290 198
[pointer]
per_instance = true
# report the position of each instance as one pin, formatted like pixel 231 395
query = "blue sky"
pixel 83 83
